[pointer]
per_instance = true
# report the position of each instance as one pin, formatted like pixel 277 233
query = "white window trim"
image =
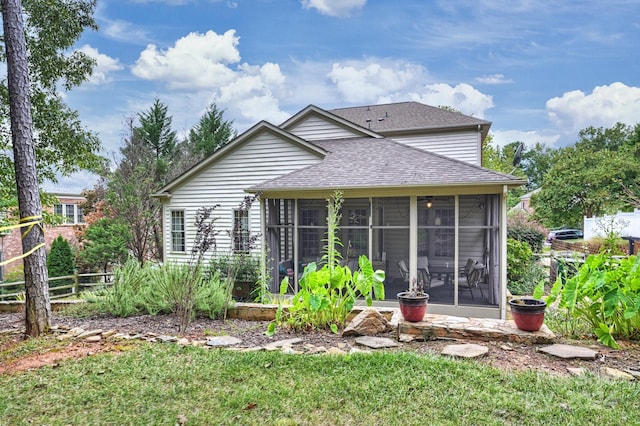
pixel 63 213
pixel 184 231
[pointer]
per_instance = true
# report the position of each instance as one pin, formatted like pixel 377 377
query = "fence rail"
pixel 15 290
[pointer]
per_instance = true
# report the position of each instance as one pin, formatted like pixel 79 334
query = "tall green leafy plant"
pixel 606 293
pixel 327 294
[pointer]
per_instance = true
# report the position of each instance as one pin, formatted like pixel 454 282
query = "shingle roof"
pixel 375 163
pixel 406 116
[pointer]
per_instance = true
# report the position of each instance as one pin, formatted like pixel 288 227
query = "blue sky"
pixel 538 70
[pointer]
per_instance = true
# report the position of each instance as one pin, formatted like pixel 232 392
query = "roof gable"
pixel 313 110
pixel 245 137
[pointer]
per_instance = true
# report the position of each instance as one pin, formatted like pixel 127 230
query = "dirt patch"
pixel 53 357
pixel 506 356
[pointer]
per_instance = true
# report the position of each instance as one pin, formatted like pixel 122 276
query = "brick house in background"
pixel 68 207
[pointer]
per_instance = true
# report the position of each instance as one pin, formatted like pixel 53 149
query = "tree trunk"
pixel 38 306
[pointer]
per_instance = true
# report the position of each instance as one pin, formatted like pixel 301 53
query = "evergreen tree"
pixel 155 132
pixel 211 133
pixel 60 261
pixel 105 244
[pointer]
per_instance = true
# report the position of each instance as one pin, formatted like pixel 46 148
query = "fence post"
pixel 76 284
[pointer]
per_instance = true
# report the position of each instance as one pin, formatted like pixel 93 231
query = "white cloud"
pixel 605 106
pixel 125 32
pixel 463 97
pixel 373 80
pixel 493 79
pixel 104 65
pixel 196 61
pixel 339 8
pixel 254 94
pixel 505 137
pixel 204 65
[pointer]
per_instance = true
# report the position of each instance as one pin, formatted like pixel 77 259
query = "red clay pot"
pixel 528 314
pixel 413 308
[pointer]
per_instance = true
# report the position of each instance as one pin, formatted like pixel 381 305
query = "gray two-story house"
pixel 416 199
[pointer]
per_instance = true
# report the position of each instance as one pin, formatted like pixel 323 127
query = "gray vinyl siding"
pixel 223 183
pixel 463 146
pixel 317 128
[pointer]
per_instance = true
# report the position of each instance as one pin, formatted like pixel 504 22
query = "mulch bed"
pixel 505 356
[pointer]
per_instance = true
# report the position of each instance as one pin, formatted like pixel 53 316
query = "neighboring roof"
pixel 408 116
pixel 528 195
pixel 234 144
pixel 338 120
pixel 376 163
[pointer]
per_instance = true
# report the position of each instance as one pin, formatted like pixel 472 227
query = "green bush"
pixel 523 270
pixel 161 290
pixel 211 296
pixel 244 267
pixel 606 293
pixel 60 262
pixel 127 295
pixel 105 244
pixel 519 257
pixel 522 227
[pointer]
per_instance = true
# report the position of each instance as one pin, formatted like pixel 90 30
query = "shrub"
pixel 161 289
pixel 211 296
pixel 126 297
pixel 241 271
pixel 519 257
pixel 522 227
pixel 523 271
pixel 60 262
pixel 105 244
pixel 244 267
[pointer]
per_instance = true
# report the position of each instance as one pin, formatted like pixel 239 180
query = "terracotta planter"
pixel 528 314
pixel 413 308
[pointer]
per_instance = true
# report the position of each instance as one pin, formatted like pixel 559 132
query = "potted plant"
pixel 528 313
pixel 413 303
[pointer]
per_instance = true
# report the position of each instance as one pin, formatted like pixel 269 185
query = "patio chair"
pixel 423 272
pixel 473 273
pixel 404 270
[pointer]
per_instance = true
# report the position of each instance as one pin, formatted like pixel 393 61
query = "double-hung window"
pixel 72 213
pixel 240 231
pixel 177 231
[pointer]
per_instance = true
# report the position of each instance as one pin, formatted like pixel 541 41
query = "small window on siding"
pixel 177 231
pixel 240 231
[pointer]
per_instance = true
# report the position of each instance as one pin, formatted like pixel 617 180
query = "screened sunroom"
pixel 450 244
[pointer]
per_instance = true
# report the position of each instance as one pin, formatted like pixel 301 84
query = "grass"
pixel 167 384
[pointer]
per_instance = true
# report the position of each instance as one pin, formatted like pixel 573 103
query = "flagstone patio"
pixel 432 327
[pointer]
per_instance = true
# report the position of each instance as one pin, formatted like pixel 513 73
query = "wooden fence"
pixel 79 283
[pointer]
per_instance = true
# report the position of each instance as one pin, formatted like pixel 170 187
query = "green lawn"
pixel 166 384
